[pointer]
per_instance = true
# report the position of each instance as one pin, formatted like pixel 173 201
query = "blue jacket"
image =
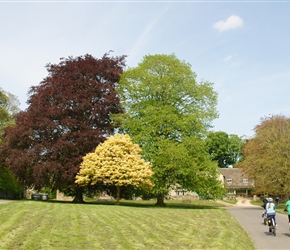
pixel 270 208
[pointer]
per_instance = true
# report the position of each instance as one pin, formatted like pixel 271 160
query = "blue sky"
pixel 243 47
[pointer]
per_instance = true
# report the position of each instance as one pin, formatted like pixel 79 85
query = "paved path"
pixel 5 201
pixel 250 217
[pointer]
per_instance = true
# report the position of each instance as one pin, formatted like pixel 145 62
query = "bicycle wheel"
pixel 274 228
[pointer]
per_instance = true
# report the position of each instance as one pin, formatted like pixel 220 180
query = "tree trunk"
pixel 79 196
pixel 160 200
pixel 118 194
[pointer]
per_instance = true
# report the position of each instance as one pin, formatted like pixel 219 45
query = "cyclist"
pixel 277 200
pixel 265 201
pixel 287 208
pixel 270 210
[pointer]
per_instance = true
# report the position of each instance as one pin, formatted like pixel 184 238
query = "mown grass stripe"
pixel 31 225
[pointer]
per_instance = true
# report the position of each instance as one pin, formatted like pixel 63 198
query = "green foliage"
pixel 187 164
pixel 267 156
pixel 160 91
pixel 8 181
pixel 8 108
pixel 225 149
pixel 167 112
pixel 51 192
pixel 236 146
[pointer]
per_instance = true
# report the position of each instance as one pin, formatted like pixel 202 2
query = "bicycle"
pixel 272 225
pixel 264 215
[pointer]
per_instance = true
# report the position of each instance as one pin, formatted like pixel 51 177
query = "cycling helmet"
pixel 270 199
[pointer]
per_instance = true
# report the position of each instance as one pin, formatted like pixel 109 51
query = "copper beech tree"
pixel 67 117
pixel 267 156
pixel 115 162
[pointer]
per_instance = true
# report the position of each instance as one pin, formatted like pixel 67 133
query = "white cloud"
pixel 228 58
pixel 233 22
pixel 233 62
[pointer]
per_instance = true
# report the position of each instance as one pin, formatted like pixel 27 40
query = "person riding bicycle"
pixel 270 210
pixel 265 201
pixel 287 208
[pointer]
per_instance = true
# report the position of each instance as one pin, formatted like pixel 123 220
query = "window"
pixel 180 192
pixel 245 180
pixel 229 180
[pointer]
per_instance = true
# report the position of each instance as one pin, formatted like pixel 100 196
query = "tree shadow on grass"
pixel 196 204
pixel 169 204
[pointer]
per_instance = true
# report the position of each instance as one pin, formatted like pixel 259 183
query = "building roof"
pixel 235 178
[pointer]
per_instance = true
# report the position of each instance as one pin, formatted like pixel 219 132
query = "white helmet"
pixel 270 199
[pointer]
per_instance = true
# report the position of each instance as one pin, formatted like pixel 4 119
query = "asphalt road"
pixel 250 217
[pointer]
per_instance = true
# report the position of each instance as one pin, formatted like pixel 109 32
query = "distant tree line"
pixel 92 125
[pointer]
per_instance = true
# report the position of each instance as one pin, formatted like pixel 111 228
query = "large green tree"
pixel 9 186
pixel 68 116
pixel 225 149
pixel 167 112
pixel 8 109
pixel 117 162
pixel 267 156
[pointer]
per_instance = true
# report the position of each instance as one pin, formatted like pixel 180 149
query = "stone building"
pixel 236 182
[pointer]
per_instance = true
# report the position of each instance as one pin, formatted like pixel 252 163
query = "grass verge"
pixel 29 225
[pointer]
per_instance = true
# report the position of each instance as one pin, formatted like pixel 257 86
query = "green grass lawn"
pixel 140 225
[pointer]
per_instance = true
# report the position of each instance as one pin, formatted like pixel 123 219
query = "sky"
pixel 242 47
